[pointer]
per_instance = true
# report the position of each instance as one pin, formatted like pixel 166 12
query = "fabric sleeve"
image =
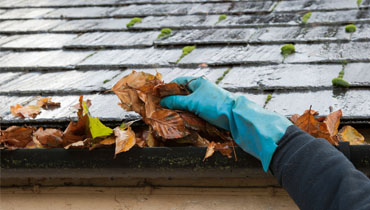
pixel 318 176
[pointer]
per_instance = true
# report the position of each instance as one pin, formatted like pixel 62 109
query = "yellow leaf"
pixel 350 134
pixel 97 128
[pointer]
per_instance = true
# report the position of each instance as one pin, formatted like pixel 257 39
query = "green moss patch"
pixel 359 2
pixel 186 50
pixel 165 32
pixel 223 75
pixel 287 49
pixel 339 81
pixel 268 98
pixel 133 21
pixel 221 18
pixel 306 17
pixel 350 28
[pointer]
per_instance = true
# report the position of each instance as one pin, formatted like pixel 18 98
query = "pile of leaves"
pixel 327 127
pixel 141 92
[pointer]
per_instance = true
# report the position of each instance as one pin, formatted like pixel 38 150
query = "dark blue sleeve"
pixel 318 176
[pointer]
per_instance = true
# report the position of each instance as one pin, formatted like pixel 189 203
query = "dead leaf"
pixel 210 150
pixel 135 80
pixel 108 141
pixel 351 135
pixel 168 124
pixel 203 65
pixel 149 138
pixel 75 131
pixel 78 144
pixel 169 89
pixel 294 118
pixel 50 138
pixel 16 136
pixel 151 105
pixel 125 139
pixel 46 103
pixel 25 111
pixel 224 148
pixel 326 128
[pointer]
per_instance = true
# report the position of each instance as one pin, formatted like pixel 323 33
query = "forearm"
pixel 317 175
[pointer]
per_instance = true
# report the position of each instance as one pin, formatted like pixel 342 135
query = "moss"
pixel 186 50
pixel 339 82
pixel 306 17
pixel 223 75
pixel 133 21
pixel 350 28
pixel 341 74
pixel 165 32
pixel 106 81
pixel 221 18
pixel 287 49
pixel 274 7
pixel 268 98
pixel 359 2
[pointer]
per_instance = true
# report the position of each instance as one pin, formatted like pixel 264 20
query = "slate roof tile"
pixel 355 104
pixel 65 49
pixel 114 40
pixel 285 76
pixel 42 59
pixel 38 41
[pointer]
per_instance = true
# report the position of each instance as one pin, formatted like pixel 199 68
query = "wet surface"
pixel 65 49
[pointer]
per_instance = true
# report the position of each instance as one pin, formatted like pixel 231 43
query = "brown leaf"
pixel 151 105
pixel 210 150
pixel 224 148
pixel 350 134
pixel 79 107
pixel 78 144
pixel 308 123
pixel 332 121
pixel 192 121
pixel 149 138
pixel 15 136
pixel 135 80
pixel 25 111
pixel 130 101
pixel 125 140
pixel 108 141
pixel 46 103
pixel 50 138
pixel 294 118
pixel 325 128
pixel 75 131
pixel 169 89
pixel 33 145
pixel 168 124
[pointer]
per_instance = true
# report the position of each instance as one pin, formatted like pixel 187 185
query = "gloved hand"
pixel 253 128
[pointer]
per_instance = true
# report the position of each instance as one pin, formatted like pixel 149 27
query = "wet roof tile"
pixel 65 49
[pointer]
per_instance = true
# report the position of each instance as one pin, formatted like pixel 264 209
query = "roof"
pixel 65 49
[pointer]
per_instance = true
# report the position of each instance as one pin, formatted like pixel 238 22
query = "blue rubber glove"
pixel 253 128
